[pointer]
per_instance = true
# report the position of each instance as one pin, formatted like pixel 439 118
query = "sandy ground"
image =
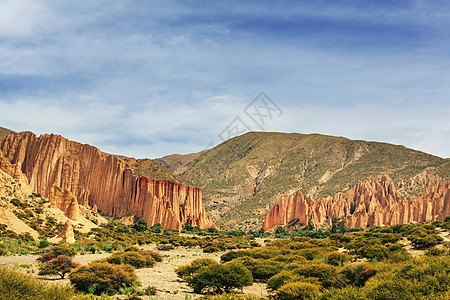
pixel 161 276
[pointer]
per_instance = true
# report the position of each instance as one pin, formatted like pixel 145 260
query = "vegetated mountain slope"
pixel 177 163
pixel 5 130
pixel 152 170
pixel 242 176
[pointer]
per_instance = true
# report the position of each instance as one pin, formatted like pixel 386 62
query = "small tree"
pixel 57 261
pixel 58 266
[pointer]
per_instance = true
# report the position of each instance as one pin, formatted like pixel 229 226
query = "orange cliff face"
pixel 102 180
pixel 368 203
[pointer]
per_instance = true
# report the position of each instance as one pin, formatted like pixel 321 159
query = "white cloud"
pixel 20 17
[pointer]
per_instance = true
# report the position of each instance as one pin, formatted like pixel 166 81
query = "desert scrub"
pixel 219 278
pixel 197 264
pixel 135 257
pixel 297 290
pixel 229 296
pixel 102 277
pixel 16 285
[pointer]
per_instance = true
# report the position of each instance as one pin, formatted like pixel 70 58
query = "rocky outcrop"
pixel 102 180
pixel 368 203
pixel 67 235
pixel 13 170
pixel 64 201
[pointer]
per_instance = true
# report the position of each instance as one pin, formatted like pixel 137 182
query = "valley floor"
pixel 161 276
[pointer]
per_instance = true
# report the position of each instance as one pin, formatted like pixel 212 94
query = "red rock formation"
pixel 104 180
pixel 368 203
pixel 13 170
pixel 64 201
pixel 67 234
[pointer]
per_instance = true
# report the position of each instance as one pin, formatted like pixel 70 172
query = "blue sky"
pixel 150 78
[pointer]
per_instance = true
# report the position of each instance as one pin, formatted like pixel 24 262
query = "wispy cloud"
pixel 153 78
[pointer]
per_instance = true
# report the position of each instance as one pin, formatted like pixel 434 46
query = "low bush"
pixel 165 247
pixel 326 274
pixel 348 293
pixel 189 270
pixel 337 258
pixel 102 277
pixel 297 290
pixel 133 258
pixel 219 278
pixel 136 257
pixel 261 269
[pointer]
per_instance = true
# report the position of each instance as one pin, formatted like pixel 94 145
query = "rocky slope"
pixel 53 165
pixel 241 177
pixel 368 203
pixel 23 212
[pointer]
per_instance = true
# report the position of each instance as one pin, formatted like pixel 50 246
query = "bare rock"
pixel 67 234
pixel 368 203
pixel 102 180
pixel 64 201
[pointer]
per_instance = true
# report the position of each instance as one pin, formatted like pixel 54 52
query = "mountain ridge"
pixel 242 176
pixel 102 180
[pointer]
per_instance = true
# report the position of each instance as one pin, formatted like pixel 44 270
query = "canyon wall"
pixel 53 164
pixel 368 203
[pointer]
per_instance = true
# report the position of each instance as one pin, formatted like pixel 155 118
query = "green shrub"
pixel 220 278
pixel 197 264
pixel 337 258
pixel 16 285
pixel 102 277
pixel 348 293
pixel 275 282
pixel 424 241
pixel 326 274
pixel 137 259
pixel 140 226
pixel 211 249
pixel 389 288
pixel 15 202
pixel 297 290
pixel 43 244
pixel 150 291
pixel 261 269
pixel 165 247
pixel 358 274
pixel 433 251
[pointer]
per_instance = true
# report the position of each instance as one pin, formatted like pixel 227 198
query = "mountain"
pixel 368 203
pixel 177 163
pixel 65 170
pixel 242 177
pixel 4 130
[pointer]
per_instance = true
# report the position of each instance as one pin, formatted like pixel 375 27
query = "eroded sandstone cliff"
pixel 101 180
pixel 368 203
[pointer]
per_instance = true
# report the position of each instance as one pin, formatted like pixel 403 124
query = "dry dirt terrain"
pixel 161 276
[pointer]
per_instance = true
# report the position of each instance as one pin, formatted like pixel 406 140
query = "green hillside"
pixel 150 169
pixel 177 162
pixel 243 175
